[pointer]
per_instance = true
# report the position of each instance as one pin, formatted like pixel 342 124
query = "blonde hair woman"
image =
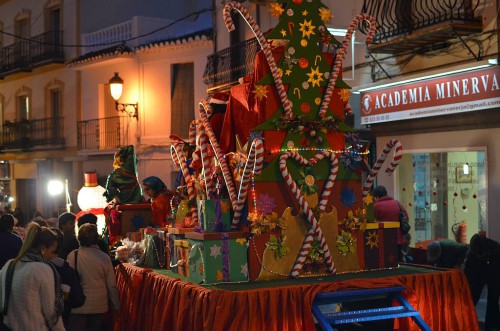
pixel 36 299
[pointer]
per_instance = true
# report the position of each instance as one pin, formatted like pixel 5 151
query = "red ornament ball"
pixel 427 203
pixel 305 108
pixel 303 63
pixel 445 203
pixel 297 2
pixel 419 192
pixel 434 193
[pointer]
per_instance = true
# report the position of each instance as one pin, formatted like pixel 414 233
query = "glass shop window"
pixel 441 191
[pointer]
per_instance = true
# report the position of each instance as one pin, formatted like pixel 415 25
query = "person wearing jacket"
pixel 98 281
pixel 387 209
pixel 36 298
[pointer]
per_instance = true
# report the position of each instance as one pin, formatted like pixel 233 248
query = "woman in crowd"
pixel 36 298
pixel 98 281
pixel 160 200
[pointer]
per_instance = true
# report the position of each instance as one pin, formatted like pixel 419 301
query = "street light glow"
pixel 55 187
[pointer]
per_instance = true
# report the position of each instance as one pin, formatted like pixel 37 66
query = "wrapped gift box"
pixel 172 235
pixel 215 215
pixel 218 257
pixel 182 247
pixel 377 245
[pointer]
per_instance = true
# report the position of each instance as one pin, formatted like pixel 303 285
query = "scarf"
pixel 59 302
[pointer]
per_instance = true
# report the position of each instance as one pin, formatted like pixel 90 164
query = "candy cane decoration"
pixel 192 131
pixel 340 57
pixel 204 107
pixel 265 48
pixel 180 160
pixel 253 166
pixel 398 154
pixel 207 167
pixel 315 228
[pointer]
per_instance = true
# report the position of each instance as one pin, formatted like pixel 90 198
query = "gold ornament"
pixel 315 77
pixel 275 9
pixel 325 14
pixel 307 29
pixel 283 32
pixel 303 43
pixel 288 72
pixel 372 239
pixel 345 94
pixel 260 92
pixel 305 13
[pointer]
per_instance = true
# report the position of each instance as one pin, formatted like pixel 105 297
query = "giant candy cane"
pixel 265 48
pixel 192 131
pixel 315 231
pixel 204 108
pixel 340 57
pixel 253 166
pixel 207 166
pixel 398 154
pixel 179 159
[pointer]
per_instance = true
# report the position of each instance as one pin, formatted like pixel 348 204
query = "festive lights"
pixel 316 149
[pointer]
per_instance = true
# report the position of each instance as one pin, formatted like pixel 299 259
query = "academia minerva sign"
pixel 457 93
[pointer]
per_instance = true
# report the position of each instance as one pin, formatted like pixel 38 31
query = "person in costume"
pixel 160 198
pixel 122 187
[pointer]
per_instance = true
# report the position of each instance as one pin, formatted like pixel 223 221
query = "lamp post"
pixel 57 187
pixel 116 89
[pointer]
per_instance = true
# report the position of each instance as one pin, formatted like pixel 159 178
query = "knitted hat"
pixel 433 251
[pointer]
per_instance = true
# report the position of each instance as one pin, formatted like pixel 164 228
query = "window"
pixel 55 104
pixel 440 190
pixel 23 107
pixel 182 110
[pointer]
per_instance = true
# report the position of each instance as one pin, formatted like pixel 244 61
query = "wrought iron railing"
pixel 398 18
pixel 228 65
pixel 47 47
pixel 27 134
pixel 102 133
pixel 25 54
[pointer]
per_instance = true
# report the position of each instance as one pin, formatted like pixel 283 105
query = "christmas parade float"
pixel 274 190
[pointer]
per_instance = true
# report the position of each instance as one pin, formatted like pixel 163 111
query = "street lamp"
pixel 57 187
pixel 116 89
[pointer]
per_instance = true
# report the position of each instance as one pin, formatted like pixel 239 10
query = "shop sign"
pixel 457 93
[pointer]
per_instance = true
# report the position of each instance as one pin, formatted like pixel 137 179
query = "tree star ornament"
pixel 315 77
pixel 276 9
pixel 325 14
pixel 260 91
pixel 345 94
pixel 307 29
pixel 305 13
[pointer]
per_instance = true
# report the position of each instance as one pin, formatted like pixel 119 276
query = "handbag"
pixel 403 220
pixel 8 284
pixel 76 295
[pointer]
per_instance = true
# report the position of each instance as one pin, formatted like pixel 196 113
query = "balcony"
pixel 420 25
pixel 32 134
pixel 102 133
pixel 227 66
pixel 25 55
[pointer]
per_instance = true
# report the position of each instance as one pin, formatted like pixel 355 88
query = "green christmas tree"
pixel 304 68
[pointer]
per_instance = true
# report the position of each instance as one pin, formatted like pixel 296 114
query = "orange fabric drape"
pixel 151 301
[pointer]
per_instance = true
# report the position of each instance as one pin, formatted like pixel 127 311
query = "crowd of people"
pixel 53 279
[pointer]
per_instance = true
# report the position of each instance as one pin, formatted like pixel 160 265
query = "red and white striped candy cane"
pixel 254 163
pixel 330 181
pixel 398 154
pixel 207 166
pixel 265 48
pixel 204 108
pixel 179 159
pixel 340 57
pixel 192 131
pixel 309 215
